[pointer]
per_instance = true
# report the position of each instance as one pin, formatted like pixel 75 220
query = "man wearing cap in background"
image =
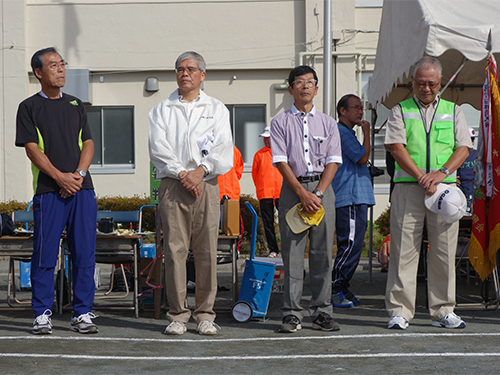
pixel 267 180
pixel 305 145
pixel 429 140
pixel 353 190
pixel 465 174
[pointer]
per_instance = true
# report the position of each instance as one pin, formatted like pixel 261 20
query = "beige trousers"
pixel 189 220
pixel 408 215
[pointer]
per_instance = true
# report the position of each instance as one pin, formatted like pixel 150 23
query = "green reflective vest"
pixel 428 150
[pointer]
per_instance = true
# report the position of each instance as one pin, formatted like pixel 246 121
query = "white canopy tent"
pixel 454 31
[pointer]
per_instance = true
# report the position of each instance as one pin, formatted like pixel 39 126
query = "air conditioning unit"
pixel 78 84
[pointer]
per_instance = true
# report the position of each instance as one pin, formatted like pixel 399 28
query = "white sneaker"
pixel 176 328
pixel 83 323
pixel 207 327
pixel 451 320
pixel 397 322
pixel 43 324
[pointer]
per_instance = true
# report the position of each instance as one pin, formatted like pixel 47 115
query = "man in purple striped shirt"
pixel 305 144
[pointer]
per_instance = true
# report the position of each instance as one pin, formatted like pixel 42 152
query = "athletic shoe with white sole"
pixel 340 300
pixel 176 328
pixel 451 320
pixel 290 324
pixel 42 324
pixel 351 297
pixel 207 327
pixel 83 323
pixel 397 322
pixel 325 322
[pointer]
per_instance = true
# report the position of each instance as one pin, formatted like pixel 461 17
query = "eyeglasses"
pixel 56 65
pixel 356 107
pixel 190 70
pixel 422 84
pixel 310 83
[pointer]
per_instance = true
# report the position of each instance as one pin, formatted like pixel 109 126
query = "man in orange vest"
pixel 229 183
pixel 267 180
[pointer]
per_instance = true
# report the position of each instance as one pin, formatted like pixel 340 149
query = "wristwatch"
pixel 205 169
pixel 81 172
pixel 445 171
pixel 318 193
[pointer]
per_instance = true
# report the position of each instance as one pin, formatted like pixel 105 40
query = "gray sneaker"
pixel 451 320
pixel 290 324
pixel 325 322
pixel 42 324
pixel 83 323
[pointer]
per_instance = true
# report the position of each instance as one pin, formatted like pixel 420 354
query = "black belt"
pixel 309 178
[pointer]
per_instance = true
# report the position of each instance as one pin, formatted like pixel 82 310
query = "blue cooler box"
pixel 148 253
pixel 256 285
pixel 25 275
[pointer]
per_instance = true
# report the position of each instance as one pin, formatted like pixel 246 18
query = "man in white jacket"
pixel 190 144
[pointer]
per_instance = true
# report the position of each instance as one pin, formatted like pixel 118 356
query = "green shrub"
pixel 383 222
pixel 377 240
pixel 11 206
pixel 260 247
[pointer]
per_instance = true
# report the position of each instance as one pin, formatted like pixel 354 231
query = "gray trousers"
pixel 293 248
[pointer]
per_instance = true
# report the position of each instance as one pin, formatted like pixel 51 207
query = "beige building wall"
pixel 250 46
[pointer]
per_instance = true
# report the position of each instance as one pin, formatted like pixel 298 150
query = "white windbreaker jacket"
pixel 175 140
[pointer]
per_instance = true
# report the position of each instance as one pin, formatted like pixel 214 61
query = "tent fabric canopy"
pixel 453 31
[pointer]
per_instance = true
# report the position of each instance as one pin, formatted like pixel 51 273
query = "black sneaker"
pixel 290 324
pixel 325 322
pixel 351 297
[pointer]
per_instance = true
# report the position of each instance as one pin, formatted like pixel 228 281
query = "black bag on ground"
pixel 119 283
pixel 6 225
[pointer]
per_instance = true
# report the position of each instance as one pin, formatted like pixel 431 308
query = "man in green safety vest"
pixel 429 139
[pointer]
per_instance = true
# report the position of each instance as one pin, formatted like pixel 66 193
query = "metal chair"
pixel 18 217
pixel 115 249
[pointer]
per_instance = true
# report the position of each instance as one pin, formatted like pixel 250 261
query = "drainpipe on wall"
pixel 327 59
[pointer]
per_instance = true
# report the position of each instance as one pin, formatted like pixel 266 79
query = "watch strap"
pixel 81 172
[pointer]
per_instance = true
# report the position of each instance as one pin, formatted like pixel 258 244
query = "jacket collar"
pixel 173 99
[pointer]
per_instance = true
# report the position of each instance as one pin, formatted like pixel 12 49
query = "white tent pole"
pixel 327 58
pixel 453 77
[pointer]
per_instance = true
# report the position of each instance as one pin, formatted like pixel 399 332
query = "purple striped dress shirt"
pixel 307 142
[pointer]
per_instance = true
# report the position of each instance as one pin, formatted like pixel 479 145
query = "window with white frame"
pixel 113 134
pixel 247 122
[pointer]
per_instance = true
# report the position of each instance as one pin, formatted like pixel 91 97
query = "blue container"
pixel 148 250
pixel 256 284
pixel 25 274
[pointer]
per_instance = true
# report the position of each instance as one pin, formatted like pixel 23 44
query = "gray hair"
pixel 200 61
pixel 427 61
pixel 37 59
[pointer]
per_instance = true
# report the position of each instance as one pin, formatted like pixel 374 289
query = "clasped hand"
pixel 191 181
pixel 430 180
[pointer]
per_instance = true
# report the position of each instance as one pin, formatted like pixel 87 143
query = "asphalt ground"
pixel 364 345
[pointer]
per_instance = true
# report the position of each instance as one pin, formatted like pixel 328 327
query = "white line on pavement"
pixel 260 357
pixel 250 339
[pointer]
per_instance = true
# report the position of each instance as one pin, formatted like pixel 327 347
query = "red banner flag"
pixel 485 239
